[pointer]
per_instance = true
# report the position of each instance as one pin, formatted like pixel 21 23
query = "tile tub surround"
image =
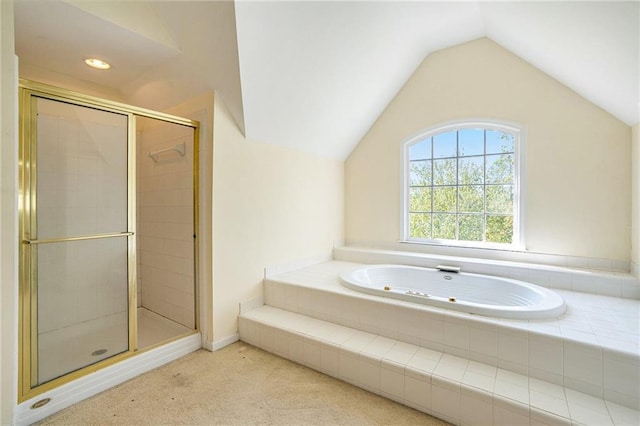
pixel 593 348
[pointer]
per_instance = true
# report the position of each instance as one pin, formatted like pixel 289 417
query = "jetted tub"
pixel 466 292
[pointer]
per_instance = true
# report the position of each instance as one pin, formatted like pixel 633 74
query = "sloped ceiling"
pixel 315 76
pixel 161 52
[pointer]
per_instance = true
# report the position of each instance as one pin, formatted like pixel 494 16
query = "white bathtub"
pixel 466 292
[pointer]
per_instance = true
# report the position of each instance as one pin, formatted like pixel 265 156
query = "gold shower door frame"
pixel 28 310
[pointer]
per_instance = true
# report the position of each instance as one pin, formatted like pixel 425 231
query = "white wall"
pixel 635 198
pixel 271 206
pixel 578 171
pixel 8 216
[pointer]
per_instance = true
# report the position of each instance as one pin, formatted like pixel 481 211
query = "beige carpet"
pixel 238 385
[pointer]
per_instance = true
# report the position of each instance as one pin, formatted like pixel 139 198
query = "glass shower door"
pixel 79 237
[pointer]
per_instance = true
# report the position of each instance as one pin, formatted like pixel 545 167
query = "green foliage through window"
pixel 462 186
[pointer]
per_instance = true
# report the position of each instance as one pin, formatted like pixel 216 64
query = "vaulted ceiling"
pixel 315 76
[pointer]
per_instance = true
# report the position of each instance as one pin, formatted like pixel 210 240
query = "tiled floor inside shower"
pixel 154 328
pixel 70 348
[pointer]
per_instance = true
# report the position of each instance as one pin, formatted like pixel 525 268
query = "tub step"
pixel 458 390
pixel 592 349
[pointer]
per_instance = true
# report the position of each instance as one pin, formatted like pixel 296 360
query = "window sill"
pixel 470 245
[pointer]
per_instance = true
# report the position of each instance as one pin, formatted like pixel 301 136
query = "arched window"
pixel 462 185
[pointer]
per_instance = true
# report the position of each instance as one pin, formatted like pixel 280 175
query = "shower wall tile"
pixel 165 223
pixel 81 191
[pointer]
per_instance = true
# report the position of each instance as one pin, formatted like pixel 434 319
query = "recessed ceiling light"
pixel 97 63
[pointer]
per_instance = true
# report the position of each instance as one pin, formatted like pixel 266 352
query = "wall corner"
pixel 635 198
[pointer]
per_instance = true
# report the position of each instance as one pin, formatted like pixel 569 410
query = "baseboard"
pixel 219 344
pixel 94 383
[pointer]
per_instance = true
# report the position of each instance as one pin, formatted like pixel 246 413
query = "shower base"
pixel 86 343
pixel 154 328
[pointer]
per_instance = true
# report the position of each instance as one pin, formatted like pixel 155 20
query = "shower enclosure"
pixel 107 226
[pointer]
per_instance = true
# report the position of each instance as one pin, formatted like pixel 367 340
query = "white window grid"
pixel 518 197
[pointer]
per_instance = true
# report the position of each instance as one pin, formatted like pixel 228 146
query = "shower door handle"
pixel 78 238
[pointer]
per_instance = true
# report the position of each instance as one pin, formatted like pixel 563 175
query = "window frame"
pixel 518 131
